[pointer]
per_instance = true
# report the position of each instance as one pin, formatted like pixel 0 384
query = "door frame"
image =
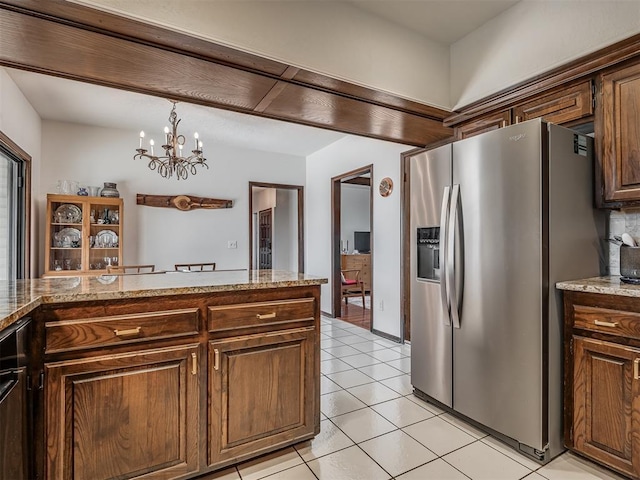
pixel 300 190
pixel 336 198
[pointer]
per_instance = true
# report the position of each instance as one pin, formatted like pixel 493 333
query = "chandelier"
pixel 172 162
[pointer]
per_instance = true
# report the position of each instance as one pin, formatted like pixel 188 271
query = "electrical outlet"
pixel 381 305
pixel 232 244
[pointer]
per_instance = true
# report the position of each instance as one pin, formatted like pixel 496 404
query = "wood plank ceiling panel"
pixel 81 43
pixel 81 54
pixel 319 108
pixel 81 15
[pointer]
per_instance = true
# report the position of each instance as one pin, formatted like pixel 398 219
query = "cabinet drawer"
pixel 228 317
pixel 604 320
pixel 119 329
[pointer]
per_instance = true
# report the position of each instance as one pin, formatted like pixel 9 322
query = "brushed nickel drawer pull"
pixel 600 323
pixel 264 316
pixel 124 333
pixel 194 364
pixel 636 369
pixel 216 359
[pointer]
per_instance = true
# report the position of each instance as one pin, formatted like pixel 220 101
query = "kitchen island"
pixel 169 375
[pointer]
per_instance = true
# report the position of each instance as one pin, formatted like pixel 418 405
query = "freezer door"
pixel 431 355
pixel 498 349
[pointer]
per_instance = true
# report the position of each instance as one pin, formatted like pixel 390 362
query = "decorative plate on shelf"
pixel 67 237
pixel 106 238
pixel 67 213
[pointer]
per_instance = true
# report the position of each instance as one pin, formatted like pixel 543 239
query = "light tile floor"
pixel 373 427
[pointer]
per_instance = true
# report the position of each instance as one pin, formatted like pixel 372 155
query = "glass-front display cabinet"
pixel 83 234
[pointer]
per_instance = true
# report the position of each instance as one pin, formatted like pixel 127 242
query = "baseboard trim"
pixel 322 312
pixel 388 336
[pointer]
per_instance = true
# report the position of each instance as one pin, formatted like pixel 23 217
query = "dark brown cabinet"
pixel 484 124
pixel 563 106
pixel 560 107
pixel 262 388
pixel 606 403
pixel 177 386
pixel 123 415
pixel 602 379
pixel 618 136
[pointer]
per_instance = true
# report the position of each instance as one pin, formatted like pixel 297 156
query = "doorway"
pixel 352 246
pixel 276 227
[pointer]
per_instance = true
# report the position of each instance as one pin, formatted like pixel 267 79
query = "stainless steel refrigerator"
pixel 496 220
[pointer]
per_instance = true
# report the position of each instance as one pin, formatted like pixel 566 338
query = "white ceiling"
pixel 444 21
pixel 64 100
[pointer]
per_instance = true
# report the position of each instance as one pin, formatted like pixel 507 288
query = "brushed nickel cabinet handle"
pixel 264 316
pixel 194 364
pixel 216 359
pixel 636 369
pixel 600 323
pixel 124 333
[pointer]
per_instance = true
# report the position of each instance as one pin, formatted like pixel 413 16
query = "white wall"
pixel 20 122
pixel 343 156
pixel 333 38
pixel 354 212
pixel 164 236
pixel 532 37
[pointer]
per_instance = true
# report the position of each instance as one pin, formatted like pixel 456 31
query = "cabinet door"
pixel 606 403
pixel 484 124
pixel 618 132
pixel 123 416
pixel 560 107
pixel 264 391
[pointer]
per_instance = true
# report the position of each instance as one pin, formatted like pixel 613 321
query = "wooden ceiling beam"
pixel 81 43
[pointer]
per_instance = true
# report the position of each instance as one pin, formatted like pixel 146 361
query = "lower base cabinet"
pixel 602 379
pixel 124 415
pixel 263 391
pixel 175 387
pixel 606 403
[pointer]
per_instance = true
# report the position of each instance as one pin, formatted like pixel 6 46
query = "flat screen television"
pixel 362 242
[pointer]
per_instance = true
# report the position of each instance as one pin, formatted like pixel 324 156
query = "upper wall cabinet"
pixel 484 124
pixel 561 107
pixel 564 106
pixel 617 131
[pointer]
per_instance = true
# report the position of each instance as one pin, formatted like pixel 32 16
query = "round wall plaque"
pixel 386 186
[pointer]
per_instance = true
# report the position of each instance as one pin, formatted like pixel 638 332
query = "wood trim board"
pixel 102 48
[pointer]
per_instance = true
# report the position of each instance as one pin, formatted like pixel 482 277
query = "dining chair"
pixel 195 267
pixel 126 269
pixel 351 286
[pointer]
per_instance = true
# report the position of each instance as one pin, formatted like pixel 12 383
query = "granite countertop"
pixel 19 298
pixel 611 285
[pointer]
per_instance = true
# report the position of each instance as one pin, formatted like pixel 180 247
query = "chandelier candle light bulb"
pixel 172 162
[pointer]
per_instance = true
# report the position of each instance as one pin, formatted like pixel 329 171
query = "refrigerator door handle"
pixel 444 222
pixel 452 269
